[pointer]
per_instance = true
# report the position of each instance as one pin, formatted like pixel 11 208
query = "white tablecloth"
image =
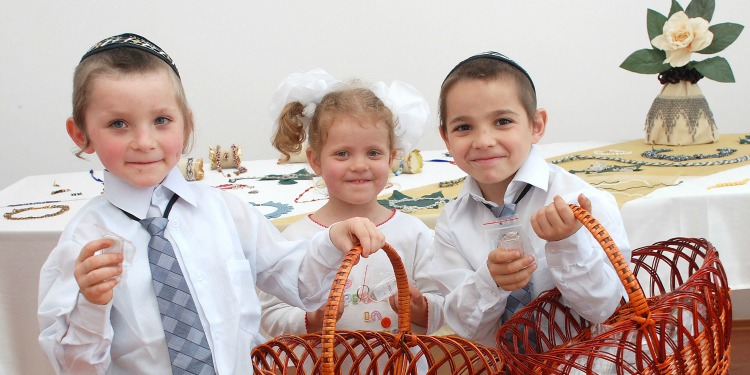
pixel 689 210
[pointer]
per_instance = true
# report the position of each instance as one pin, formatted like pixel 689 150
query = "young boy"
pixel 489 123
pixel 194 254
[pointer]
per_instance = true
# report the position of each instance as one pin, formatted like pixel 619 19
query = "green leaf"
pixel 715 68
pixel 655 23
pixel 676 7
pixel 724 35
pixel 701 8
pixel 646 61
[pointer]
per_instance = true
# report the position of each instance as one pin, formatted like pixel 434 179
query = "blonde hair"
pixel 352 100
pixel 118 62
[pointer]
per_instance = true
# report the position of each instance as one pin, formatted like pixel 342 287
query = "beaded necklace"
pixel 602 167
pixel 61 209
pixel 299 197
pixel 449 183
pixel 650 163
pixel 726 184
pixel 657 153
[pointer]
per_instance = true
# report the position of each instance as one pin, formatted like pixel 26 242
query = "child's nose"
pixel 144 138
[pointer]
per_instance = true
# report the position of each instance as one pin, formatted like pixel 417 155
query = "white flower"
pixel 681 37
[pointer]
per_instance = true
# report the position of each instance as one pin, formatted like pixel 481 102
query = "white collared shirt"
pixel 225 247
pixel 577 265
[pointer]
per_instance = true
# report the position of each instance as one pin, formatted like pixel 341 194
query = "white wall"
pixel 232 55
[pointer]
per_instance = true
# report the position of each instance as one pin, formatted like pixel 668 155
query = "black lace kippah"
pixel 495 56
pixel 133 41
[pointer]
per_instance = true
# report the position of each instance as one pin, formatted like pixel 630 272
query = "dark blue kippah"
pixel 495 56
pixel 133 41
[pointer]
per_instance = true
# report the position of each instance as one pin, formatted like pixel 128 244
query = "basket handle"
pixel 638 301
pixel 336 296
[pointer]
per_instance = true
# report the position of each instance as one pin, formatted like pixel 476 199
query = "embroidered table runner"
pixel 623 170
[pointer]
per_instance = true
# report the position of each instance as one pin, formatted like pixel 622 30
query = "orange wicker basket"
pixel 680 324
pixel 368 352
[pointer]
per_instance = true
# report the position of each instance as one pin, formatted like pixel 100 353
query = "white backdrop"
pixel 232 55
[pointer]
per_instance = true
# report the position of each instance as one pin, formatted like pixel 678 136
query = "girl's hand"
pixel 314 319
pixel 556 221
pixel 417 303
pixel 509 269
pixel 96 275
pixel 347 233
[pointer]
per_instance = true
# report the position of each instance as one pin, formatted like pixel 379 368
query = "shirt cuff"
pixel 571 250
pixel 90 316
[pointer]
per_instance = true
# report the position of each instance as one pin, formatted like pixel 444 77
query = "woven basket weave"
pixel 680 324
pixel 368 352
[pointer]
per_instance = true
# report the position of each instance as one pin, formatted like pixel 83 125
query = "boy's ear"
pixel 445 138
pixel 313 161
pixel 539 125
pixel 78 136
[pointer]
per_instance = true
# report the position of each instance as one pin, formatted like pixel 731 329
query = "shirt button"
pixel 175 223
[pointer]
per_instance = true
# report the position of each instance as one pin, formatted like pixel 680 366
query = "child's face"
pixel 355 160
pixel 135 126
pixel 488 132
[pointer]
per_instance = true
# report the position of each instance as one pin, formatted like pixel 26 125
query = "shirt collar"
pixel 136 201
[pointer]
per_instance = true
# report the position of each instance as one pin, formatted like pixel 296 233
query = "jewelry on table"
pixel 192 169
pixel 289 178
pixel 657 153
pixel 601 167
pixel 232 186
pixel 736 160
pixel 299 197
pixel 236 158
pixel 449 183
pixel 61 209
pixel 281 208
pixel 221 159
pixel 612 152
pixel 746 140
pixel 646 185
pixel 726 184
pixel 75 194
pixel 408 204
pixel 91 172
pixel 59 191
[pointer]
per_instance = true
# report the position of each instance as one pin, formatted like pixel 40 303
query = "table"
pixel 686 209
pixel 25 244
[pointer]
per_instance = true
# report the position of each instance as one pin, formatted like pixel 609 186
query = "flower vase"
pixel 680 116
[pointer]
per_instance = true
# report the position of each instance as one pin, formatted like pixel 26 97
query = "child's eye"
pixel 374 153
pixel 342 154
pixel 503 121
pixel 161 120
pixel 118 124
pixel 462 128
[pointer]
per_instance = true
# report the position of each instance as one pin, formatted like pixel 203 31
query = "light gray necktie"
pixel 188 347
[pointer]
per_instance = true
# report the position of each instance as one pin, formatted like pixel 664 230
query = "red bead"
pixel 385 322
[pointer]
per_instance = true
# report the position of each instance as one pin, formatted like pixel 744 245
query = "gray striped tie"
pixel 188 347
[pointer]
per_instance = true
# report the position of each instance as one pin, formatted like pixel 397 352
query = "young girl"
pixel 351 144
pixel 187 303
pixel 489 122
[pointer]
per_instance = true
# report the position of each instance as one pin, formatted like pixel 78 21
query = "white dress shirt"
pixel 410 237
pixel 576 265
pixel 225 248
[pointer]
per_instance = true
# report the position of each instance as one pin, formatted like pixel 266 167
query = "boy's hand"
pixel 556 221
pixel 347 233
pixel 314 321
pixel 96 275
pixel 417 303
pixel 509 269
